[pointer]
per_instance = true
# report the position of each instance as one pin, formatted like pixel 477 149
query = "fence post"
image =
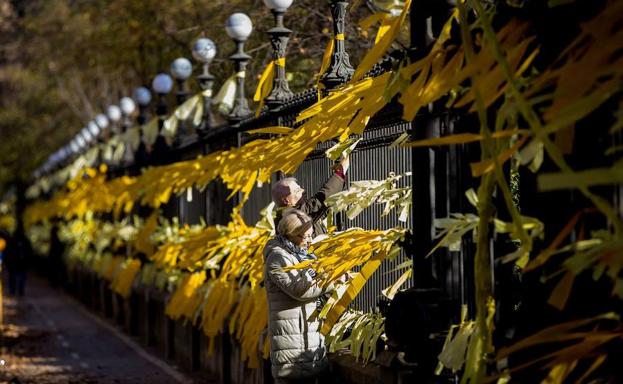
pixel 239 28
pixel 339 70
pixel 422 164
pixel 279 36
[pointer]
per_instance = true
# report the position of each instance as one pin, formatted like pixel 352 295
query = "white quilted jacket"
pixel 297 348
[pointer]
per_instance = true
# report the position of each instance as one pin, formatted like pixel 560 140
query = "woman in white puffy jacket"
pixel 298 353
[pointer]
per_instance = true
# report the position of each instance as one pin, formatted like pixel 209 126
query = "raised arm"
pixel 314 206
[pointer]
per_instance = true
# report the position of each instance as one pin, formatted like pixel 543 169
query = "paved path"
pixel 48 337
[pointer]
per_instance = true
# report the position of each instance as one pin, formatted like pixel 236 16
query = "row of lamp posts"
pixel 117 119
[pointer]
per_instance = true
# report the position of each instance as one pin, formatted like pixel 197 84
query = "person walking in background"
pixel 287 193
pixel 17 256
pixel 4 236
pixel 298 353
pixel 55 257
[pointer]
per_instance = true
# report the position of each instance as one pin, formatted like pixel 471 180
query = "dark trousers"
pixel 324 378
pixel 17 282
pixel 312 380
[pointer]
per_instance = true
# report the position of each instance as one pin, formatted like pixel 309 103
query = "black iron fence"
pixel 442 281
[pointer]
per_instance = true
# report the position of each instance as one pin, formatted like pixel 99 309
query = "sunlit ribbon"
pixel 192 106
pixel 387 32
pixel 265 85
pixel 226 95
pixel 326 60
pixel 150 132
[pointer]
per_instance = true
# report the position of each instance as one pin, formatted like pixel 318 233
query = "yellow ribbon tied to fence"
pixel 326 60
pixel 193 107
pixel 226 95
pixel 150 132
pixel 124 278
pixel 340 253
pixel 265 85
pixel 390 26
pixel 187 297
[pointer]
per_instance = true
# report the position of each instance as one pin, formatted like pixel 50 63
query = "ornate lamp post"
pixel 113 113
pixel 53 160
pixel 114 116
pixel 102 122
pixel 92 129
pixel 75 148
pixel 91 137
pixel 69 153
pixel 143 98
pixel 64 155
pixel 162 85
pixel 181 69
pixel 339 70
pixel 279 36
pixel 81 142
pixel 127 109
pixel 204 51
pixel 87 136
pixel 239 27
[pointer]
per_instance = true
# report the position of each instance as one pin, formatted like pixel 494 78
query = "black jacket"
pixel 314 206
pixel 18 253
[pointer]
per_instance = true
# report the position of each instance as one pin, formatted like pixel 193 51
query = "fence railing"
pixel 444 282
pixel 143 312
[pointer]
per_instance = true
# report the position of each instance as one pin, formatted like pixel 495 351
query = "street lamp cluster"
pixel 118 118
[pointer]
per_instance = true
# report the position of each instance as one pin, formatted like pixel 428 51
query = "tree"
pixel 64 61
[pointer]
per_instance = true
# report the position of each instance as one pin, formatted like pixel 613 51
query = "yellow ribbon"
pixel 265 85
pixel 150 132
pixel 386 34
pixel 385 19
pixel 225 96
pixel 385 27
pixel 326 60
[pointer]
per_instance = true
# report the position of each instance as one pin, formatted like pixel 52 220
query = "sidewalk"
pixel 48 337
